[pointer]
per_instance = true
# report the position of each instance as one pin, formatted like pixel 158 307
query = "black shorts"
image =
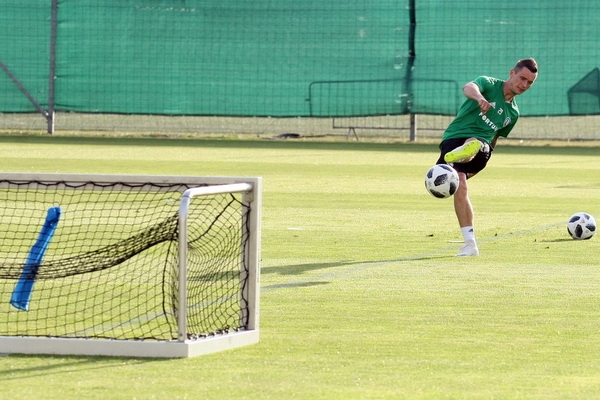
pixel 472 167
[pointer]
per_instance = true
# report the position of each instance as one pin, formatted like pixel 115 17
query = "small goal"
pixel 126 265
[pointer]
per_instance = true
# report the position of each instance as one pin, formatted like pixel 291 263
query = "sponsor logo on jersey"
pixel 489 122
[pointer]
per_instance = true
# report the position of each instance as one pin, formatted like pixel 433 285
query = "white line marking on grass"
pixel 358 267
pixel 362 266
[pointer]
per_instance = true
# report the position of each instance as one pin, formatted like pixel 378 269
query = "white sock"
pixel 468 233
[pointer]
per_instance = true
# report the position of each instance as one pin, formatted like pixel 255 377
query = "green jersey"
pixel 498 121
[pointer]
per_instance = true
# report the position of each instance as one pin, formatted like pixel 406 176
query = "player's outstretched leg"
pixel 464 153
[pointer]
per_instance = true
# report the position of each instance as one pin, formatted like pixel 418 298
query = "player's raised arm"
pixel 471 90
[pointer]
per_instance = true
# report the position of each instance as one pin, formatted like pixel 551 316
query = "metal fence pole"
pixel 52 69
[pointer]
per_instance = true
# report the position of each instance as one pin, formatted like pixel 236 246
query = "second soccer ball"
pixel 581 226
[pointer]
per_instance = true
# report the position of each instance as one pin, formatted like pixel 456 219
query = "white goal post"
pixel 200 227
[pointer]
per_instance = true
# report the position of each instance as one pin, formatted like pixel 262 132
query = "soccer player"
pixel 489 111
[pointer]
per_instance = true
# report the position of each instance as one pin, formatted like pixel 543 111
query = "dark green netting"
pixel 459 40
pixel 584 96
pixel 24 50
pixel 300 58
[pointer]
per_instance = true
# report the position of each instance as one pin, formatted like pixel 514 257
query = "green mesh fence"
pixel 459 40
pixel 24 51
pixel 300 58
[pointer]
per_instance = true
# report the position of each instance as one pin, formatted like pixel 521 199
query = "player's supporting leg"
pixel 465 215
pixel 464 153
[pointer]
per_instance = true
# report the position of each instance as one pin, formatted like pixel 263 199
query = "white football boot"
pixel 469 249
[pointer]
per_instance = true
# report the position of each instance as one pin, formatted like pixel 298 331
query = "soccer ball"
pixel 441 181
pixel 581 226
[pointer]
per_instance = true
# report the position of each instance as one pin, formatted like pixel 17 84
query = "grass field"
pixel 362 297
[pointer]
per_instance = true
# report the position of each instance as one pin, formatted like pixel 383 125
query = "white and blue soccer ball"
pixel 441 181
pixel 581 226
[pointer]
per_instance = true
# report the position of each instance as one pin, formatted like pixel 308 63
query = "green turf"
pixel 361 295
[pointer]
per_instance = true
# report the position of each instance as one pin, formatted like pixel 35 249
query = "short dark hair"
pixel 528 63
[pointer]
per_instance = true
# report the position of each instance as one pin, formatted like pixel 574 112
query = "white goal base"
pixel 127 348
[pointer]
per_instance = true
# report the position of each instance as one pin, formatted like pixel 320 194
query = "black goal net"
pixel 90 259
